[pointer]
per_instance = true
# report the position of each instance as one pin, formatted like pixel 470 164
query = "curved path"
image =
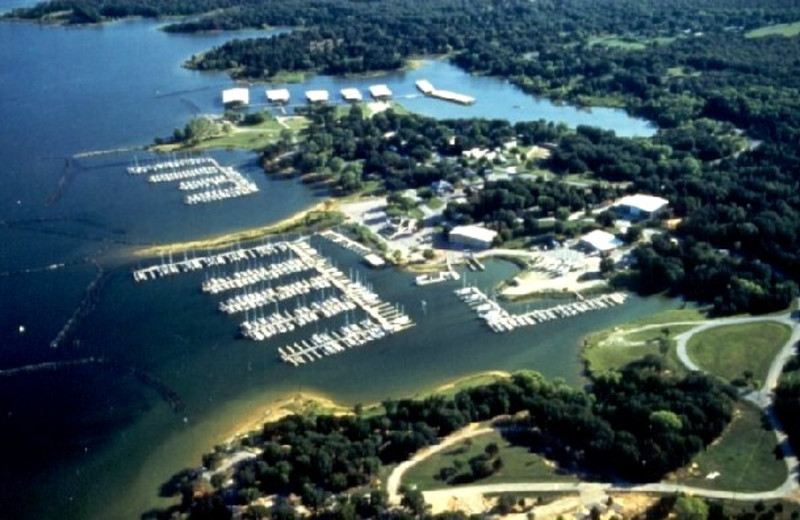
pixel 762 398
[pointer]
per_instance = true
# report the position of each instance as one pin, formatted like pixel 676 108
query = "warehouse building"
pixel 473 236
pixel 640 206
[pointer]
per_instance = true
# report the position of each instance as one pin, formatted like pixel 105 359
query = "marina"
pixel 307 284
pixel 500 320
pixel 203 176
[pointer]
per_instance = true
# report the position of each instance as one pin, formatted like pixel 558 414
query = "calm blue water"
pixel 91 442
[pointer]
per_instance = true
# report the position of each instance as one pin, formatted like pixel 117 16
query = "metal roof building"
pixel 237 95
pixel 280 95
pixel 473 236
pixel 380 92
pixel 425 86
pixel 641 206
pixel 317 96
pixel 599 240
pixel 351 94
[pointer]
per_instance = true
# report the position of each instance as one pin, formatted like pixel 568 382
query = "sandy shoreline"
pixel 306 402
pixel 229 239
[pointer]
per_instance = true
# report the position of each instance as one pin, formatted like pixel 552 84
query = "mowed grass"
pixel 254 137
pixel 519 464
pixel 729 350
pixel 743 457
pixel 787 30
pixel 613 349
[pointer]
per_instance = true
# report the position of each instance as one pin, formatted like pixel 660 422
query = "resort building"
pixel 473 236
pixel 640 206
pixel 317 96
pixel 380 92
pixel 599 241
pixel 236 96
pixel 278 96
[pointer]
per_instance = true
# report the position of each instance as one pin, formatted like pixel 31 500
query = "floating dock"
pixel 202 176
pixel 317 96
pixel 380 92
pixel 500 320
pixel 351 95
pixel 272 273
pixel 427 88
pixel 279 96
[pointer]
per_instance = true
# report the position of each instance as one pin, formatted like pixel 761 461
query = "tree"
pixel 413 500
pixel 690 508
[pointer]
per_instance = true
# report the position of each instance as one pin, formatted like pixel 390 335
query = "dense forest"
pixel 727 104
pixel 636 425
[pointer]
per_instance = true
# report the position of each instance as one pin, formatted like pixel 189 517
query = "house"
pixel 442 187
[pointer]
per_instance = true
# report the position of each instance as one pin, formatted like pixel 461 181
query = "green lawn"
pixel 743 457
pixel 784 29
pixel 617 42
pixel 612 349
pixel 252 137
pixel 728 351
pixel 435 203
pixel 519 465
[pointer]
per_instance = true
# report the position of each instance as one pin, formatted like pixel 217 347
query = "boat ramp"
pixel 202 178
pixel 500 320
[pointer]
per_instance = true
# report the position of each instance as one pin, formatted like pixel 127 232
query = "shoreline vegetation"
pixel 321 214
pixel 317 403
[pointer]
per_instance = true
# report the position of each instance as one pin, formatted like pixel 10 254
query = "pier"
pixel 500 320
pixel 272 274
pixel 202 176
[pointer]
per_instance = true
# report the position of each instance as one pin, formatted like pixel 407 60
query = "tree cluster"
pixel 637 425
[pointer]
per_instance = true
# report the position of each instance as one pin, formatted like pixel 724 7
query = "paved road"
pixel 761 397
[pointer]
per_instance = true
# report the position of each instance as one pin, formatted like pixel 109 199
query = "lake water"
pixel 90 442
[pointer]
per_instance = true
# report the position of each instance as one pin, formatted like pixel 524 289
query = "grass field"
pixel 519 465
pixel 612 349
pixel 787 30
pixel 743 457
pixel 728 351
pixel 254 137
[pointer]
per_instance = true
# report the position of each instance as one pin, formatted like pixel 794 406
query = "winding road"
pixel 761 398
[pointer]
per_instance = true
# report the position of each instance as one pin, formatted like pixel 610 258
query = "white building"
pixel 425 86
pixel 640 206
pixel 473 236
pixel 317 96
pixel 351 95
pixel 280 95
pixel 380 92
pixel 599 240
pixel 236 96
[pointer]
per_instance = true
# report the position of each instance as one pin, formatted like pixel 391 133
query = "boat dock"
pixel 272 273
pixel 347 243
pixel 329 343
pixel 427 88
pixel 500 320
pixel 202 176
